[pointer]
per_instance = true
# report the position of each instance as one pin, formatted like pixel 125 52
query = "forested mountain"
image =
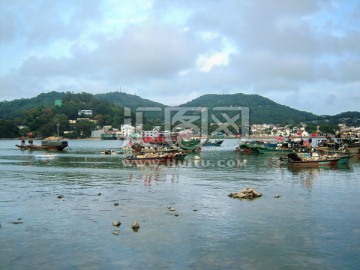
pixel 15 108
pixel 261 110
pixel 128 100
pixel 40 114
pixel 348 118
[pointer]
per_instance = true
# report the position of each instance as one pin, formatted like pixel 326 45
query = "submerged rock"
pixel 116 232
pixel 247 193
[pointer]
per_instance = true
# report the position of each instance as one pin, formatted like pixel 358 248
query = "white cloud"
pixel 173 51
pixel 206 63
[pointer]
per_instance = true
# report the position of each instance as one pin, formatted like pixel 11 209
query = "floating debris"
pixel 247 193
pixel 60 196
pixel 172 209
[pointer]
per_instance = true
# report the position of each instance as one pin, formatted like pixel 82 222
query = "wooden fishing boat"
pixel 270 149
pixel 48 144
pixel 311 160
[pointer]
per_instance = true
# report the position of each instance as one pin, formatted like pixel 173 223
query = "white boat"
pixel 45 156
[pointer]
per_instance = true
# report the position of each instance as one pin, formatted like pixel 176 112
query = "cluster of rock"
pixel 246 193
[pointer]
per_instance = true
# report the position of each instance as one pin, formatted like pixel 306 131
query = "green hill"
pixel 40 114
pixel 15 108
pixel 128 100
pixel 261 110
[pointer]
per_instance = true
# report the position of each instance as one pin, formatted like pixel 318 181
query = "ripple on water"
pixel 306 227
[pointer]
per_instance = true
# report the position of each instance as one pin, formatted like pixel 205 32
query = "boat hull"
pixel 314 163
pixel 264 150
pixel 45 146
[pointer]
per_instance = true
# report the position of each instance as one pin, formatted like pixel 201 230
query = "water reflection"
pixel 307 227
pixel 149 179
pixel 306 175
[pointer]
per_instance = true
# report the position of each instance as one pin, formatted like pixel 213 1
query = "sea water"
pixel 58 214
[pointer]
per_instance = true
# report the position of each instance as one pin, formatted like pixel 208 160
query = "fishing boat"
pixel 312 159
pixel 273 149
pixel 48 144
pixel 344 159
pixel 343 154
pixel 249 147
pixel 349 145
pixel 213 143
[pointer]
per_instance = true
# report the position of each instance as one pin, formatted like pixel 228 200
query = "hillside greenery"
pixel 261 110
pixel 40 115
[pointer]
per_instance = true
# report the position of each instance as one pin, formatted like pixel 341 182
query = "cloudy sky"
pixel 304 54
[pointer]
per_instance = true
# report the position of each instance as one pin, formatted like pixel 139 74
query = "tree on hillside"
pixel 8 129
pixel 82 129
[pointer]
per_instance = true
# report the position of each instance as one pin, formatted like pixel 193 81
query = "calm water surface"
pixel 315 224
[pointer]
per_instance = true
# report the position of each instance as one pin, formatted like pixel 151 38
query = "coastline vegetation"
pixel 39 116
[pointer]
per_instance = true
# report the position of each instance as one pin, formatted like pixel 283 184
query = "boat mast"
pixel 57 125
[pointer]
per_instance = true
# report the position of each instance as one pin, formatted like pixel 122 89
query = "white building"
pixel 127 130
pixel 84 112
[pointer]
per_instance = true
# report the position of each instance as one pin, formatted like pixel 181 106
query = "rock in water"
pixel 116 223
pixel 247 193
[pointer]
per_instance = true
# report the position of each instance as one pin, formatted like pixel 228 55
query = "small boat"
pixel 190 145
pixel 45 156
pixel 312 159
pixel 48 144
pixel 270 149
pixel 213 143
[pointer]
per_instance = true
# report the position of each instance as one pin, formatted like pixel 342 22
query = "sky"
pixel 303 54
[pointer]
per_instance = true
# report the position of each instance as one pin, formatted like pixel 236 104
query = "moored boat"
pixel 313 159
pixel 48 144
pixel 271 149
